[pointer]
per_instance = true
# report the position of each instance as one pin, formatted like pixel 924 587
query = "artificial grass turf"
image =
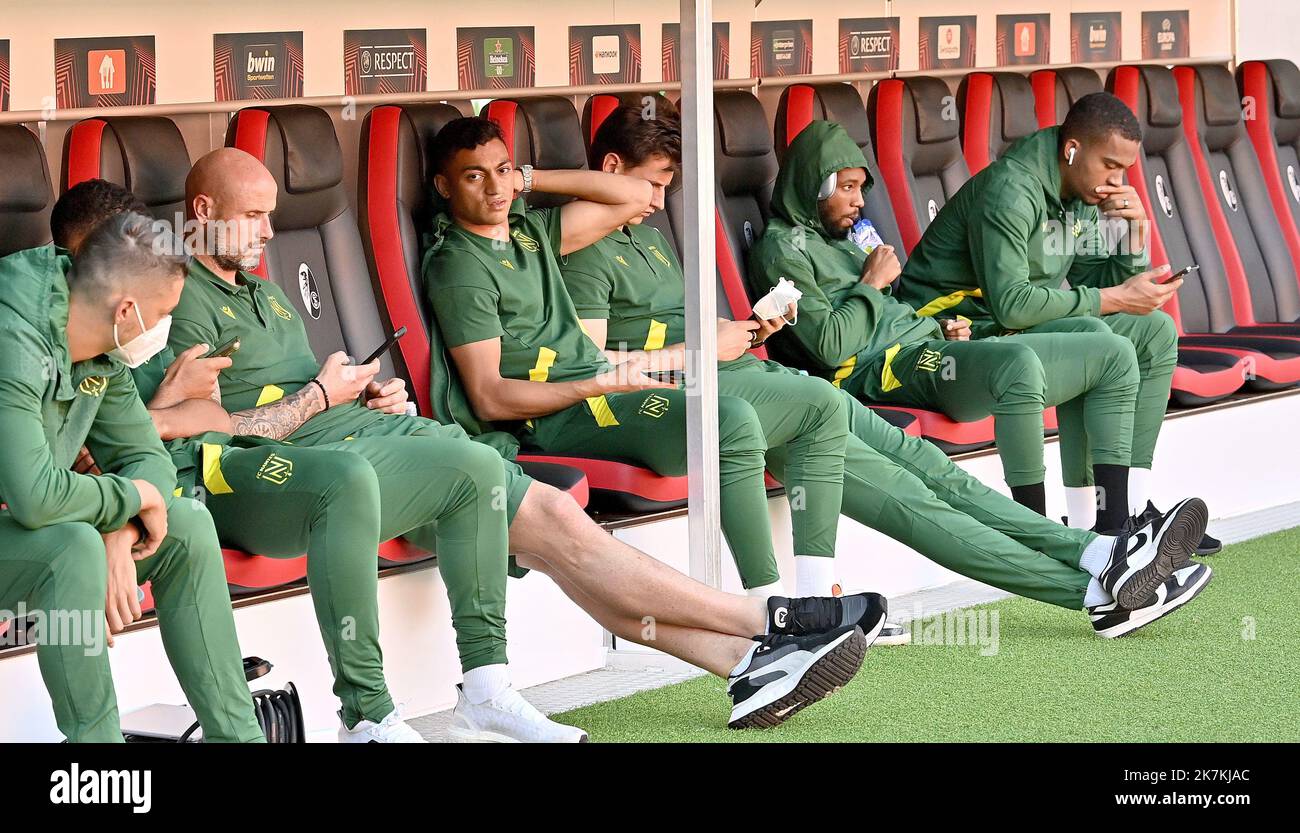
pixel 1225 667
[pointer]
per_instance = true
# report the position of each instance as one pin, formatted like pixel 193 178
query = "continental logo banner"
pixel 780 47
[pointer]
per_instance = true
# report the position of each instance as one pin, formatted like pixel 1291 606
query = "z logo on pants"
pixel 929 361
pixel 275 469
pixel 654 406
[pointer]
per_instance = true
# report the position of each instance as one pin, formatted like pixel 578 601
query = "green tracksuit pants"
pixel 61 570
pixel 908 489
pixel 775 410
pixel 410 477
pixel 1155 345
pixel 1093 375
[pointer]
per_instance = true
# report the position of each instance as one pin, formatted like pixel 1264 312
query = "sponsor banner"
pixel 257 66
pixel 947 42
pixel 104 72
pixel 384 61
pixel 780 47
pixel 605 54
pixel 672 56
pixel 868 44
pixel 496 57
pixel 1095 37
pixel 1023 39
pixel 4 75
pixel 1165 34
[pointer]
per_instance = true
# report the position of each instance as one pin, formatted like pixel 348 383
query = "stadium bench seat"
pixel 1202 375
pixel 1182 234
pixel 1273 90
pixel 1261 273
pixel 997 110
pixel 26 194
pixel 144 154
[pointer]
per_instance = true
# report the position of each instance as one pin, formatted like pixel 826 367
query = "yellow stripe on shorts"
pixel 269 394
pixel 213 478
pixel 844 371
pixel 601 411
pixel 888 381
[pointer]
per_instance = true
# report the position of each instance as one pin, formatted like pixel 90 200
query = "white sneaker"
pixel 391 729
pixel 506 718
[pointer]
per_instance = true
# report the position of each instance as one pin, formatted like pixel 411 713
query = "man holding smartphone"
pixel 1051 239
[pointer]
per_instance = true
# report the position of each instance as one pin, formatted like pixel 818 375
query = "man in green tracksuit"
pixel 77 545
pixel 629 290
pixel 517 342
pixel 853 331
pixel 1002 249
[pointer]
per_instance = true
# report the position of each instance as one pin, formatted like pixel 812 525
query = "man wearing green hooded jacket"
pixel 73 546
pixel 854 331
pixel 1038 242
pixel 629 291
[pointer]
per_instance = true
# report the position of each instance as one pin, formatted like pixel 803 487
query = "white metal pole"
pixel 701 303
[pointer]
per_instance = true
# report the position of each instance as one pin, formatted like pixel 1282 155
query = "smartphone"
pixel 386 346
pixel 1180 273
pixel 226 350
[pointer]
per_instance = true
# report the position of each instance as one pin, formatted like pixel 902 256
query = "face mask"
pixel 145 346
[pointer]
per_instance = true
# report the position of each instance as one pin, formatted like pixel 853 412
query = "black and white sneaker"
pixel 787 673
pixel 1209 545
pixel 816 614
pixel 1143 557
pixel 894 634
pixel 1111 620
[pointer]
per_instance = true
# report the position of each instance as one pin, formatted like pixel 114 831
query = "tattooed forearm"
pixel 281 418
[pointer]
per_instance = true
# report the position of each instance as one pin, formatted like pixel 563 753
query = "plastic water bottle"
pixel 864 235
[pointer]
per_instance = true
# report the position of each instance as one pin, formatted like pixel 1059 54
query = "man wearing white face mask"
pixel 75 546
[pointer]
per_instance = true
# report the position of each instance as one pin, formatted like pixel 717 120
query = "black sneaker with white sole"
pixel 1144 556
pixel 1208 545
pixel 815 614
pixel 1111 620
pixel 787 673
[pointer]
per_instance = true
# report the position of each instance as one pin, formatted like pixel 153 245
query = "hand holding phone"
pixel 1186 270
pixel 226 350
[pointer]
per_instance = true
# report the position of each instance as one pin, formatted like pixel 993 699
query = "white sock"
pixel 1139 490
pixel 1097 555
pixel 1096 595
pixel 1081 506
pixel 485 682
pixel 813 575
pixel 776 588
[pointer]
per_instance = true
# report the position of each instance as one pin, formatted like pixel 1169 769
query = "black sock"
pixel 1112 496
pixel 1033 496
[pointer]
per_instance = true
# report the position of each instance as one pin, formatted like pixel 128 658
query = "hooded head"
pixel 822 181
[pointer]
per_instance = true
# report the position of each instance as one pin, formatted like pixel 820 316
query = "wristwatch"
pixel 527 172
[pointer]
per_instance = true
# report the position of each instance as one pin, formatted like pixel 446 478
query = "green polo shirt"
pixel 1004 245
pixel 631 278
pixel 50 407
pixel 513 290
pixel 274 357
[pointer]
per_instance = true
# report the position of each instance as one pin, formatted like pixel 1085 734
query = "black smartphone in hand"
pixel 1186 270
pixel 386 346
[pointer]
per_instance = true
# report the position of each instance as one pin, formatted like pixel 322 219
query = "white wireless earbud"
pixel 1069 157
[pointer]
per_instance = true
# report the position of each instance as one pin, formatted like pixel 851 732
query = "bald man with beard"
pixel 461 499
